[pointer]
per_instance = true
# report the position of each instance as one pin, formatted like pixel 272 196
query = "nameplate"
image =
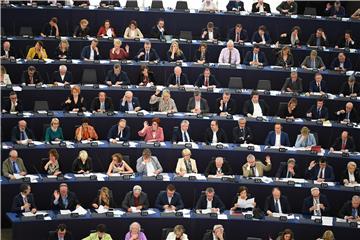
pixel 238 90
pixel 282 149
pixel 95 86
pixel 259 118
pixel 19 114
pixel 80 114
pixel 232 65
pixel 93 177
pixel 126 144
pixel 314 152
pixel 248 216
pixel 353 97
pixel 50 114
pixel 291 183
pixel 178 63
pixel 350 124
pixel 250 148
pixel 94 144
pixel 60 178
pixel 126 177
pixel 38 86
pixel 144 213
pixel 353 224
pixel 219 146
pixel 182 88
pixel 192 178
pixel 210 89
pixel 213 215
pixel 140 114
pixel 345 154
pixel 283 219
pixel 159 177
pixel 97 61
pixel 109 214
pixel 357 188
pixel 229 116
pixel 199 115
pixel 257 180
pixel 124 86
pixel 74 215
pixel 266 92
pixel 324 185
pixel 318 220
pixel 67 86
pixel 110 113
pixel 188 145
pixel 156 144
pixel 39 217
pixel 289 120
pixel 26 179
pixel 227 179
pixel 31 145
pixel 170 115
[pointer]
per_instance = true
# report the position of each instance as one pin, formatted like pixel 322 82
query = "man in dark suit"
pixel 24 201
pixel 351 174
pixel 63 199
pixel 215 134
pixel 177 78
pixel 238 34
pixel 260 6
pixel 261 36
pixel 351 209
pixel 293 83
pixel 346 41
pixel 225 105
pixel 61 233
pixel 135 198
pixel 119 132
pixel 206 79
pixel 287 169
pixel 129 103
pixel 210 32
pixel 349 114
pixel 350 88
pixel 241 133
pixel 91 52
pixel 218 167
pixel 343 143
pixel 169 200
pixel 147 53
pixel 318 111
pixel 209 200
pixel 321 171
pixel 102 104
pixel 317 204
pixel 117 77
pixel 31 76
pixel 235 5
pixel 13 104
pixel 277 137
pixel 62 76
pixel 318 84
pixel 287 7
pixel 255 107
pixel 255 57
pixel 159 31
pixel 216 233
pixel 6 51
pixel 318 39
pixel 13 165
pixel 341 63
pixel 21 134
pixel 276 203
pixel 197 104
pixel 182 134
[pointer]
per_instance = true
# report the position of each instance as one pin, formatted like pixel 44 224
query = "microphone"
pixel 37 172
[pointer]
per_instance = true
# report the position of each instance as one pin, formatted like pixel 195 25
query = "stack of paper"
pixel 248 203
pixel 101 209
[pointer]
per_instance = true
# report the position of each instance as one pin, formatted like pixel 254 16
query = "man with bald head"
pixel 349 114
pixel 351 209
pixel 218 167
pixel 129 102
pixel 63 76
pixel 6 51
pixel 21 134
pixel 276 203
pixel 119 132
pixel 229 54
pixel 344 143
pixel 13 165
pixel 102 104
pixel 177 78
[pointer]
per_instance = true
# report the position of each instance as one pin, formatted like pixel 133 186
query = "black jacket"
pixel 72 202
pixel 324 113
pixel 54 236
pixel 57 78
pixel 346 210
pixel 266 7
pixel 15 134
pixel 113 133
pixel 129 201
pixel 220 134
pixel 113 78
pixel 197 56
pixel 283 112
pixel 282 171
pixel 308 203
pixel 36 78
pixel 231 106
pixel 172 79
pixel 204 106
pixel 216 33
pixel 155 33
pixel 95 104
pixel 216 203
pixel 11 53
pixel 242 135
pixel 296 86
pixel 249 107
pixel 232 36
pixel 312 41
pixel 211 168
pixel 270 204
pixel 233 4
pixel 345 89
pixel 349 144
pixel 153 55
pixel 72 104
pixel 177 136
pixel 200 81
pixel 7 105
pixel 18 202
pixel 135 103
pixel 345 175
pixel 162 200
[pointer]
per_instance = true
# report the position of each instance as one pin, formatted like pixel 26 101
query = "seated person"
pixel 64 199
pixel 6 51
pixel 242 195
pixel 285 58
pixel 255 57
pixel 178 78
pixel 85 131
pixel 108 3
pixel 209 200
pixel 350 88
pixel 118 53
pixel 158 31
pixel 186 165
pixel 225 105
pixel 106 30
pixel 169 200
pixel 344 143
pixel 289 111
pixel 305 139
pixel 313 61
pixel 31 76
pixel 287 7
pixel 63 50
pixel 261 36
pixel 82 164
pixel 351 175
pixel 206 79
pixel 217 168
pixel 165 102
pixel 341 63
pixel 135 199
pixel 335 11
pixel 50 29
pixel 276 203
pixel 174 53
pixel 293 83
pixel 349 114
pixel 24 201
pixel 91 52
pixel 54 132
pixel 75 102
pixel 82 30
pixel 63 76
pixel 318 111
pixel 129 103
pixel 177 233
pixel 208 5
pixel 277 137
pixel 116 76
pixel 119 132
pixel 210 32
pixel 242 134
pixel 229 54
pixel 287 169
pixel 182 134
pixel 346 41
pixel 61 232
pixel 318 85
pixel 135 232
pixel 320 171
pixel 238 34
pixel 99 234
pixel 215 134
pixel 356 14
pixel 104 198
pixel 4 77
pixel 13 165
pixel 317 204
pixel 118 165
pixel 197 104
pixel 52 167
pixel 235 5
pixel 318 39
pixel 101 104
pixel 153 133
pixel 292 38
pixel 260 6
pixel 216 233
pixel 255 107
pixel 147 53
pixel 255 168
pixel 350 210
pixel 37 52
pixel 21 134
pixel 13 104
pixel 146 77
pixel 202 54
pixel 83 4
pixel 132 31
pixel 147 164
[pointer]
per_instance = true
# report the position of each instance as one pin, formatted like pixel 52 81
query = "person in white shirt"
pixel 177 234
pixel 208 5
pixel 229 54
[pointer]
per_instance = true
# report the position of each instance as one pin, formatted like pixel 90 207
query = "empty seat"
pixel 187 35
pixel 235 82
pixel 310 11
pixel 165 232
pixel 131 4
pixel 89 76
pixel 41 106
pixel 157 4
pixel 264 85
pixel 26 31
pixel 181 5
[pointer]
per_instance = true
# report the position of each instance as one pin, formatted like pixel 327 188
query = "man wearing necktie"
pixel 316 204
pixel 277 203
pixel 61 233
pixel 178 78
pixel 13 165
pixel 119 132
pixel 344 143
pixel 255 59
pixel 147 56
pixel 129 102
pixel 350 211
pixel 349 114
pixel 21 134
pixel 229 55
pixel 24 201
pixel 320 171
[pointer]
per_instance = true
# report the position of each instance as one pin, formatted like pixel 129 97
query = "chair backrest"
pixel 26 31
pixel 236 82
pixel 131 4
pixel 2 31
pixel 185 35
pixel 45 126
pixel 127 159
pixel 316 137
pixel 41 106
pixel 89 76
pixel 165 232
pixel 264 85
pixel 282 105
pixel 157 4
pixel 181 5
pixel 310 11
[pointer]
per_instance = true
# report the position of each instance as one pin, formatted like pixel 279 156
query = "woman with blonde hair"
pixel 177 234
pixel 104 199
pixel 175 54
pixel 118 53
pixel 119 165
pixel 62 51
pixel 83 163
pixel 328 235
pixel 186 164
pixel 4 77
pixel 82 30
pixel 166 103
pixel 305 139
pixel 285 57
pixel 54 132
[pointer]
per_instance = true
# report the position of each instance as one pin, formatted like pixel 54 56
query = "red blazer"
pixel 102 31
pixel 122 54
